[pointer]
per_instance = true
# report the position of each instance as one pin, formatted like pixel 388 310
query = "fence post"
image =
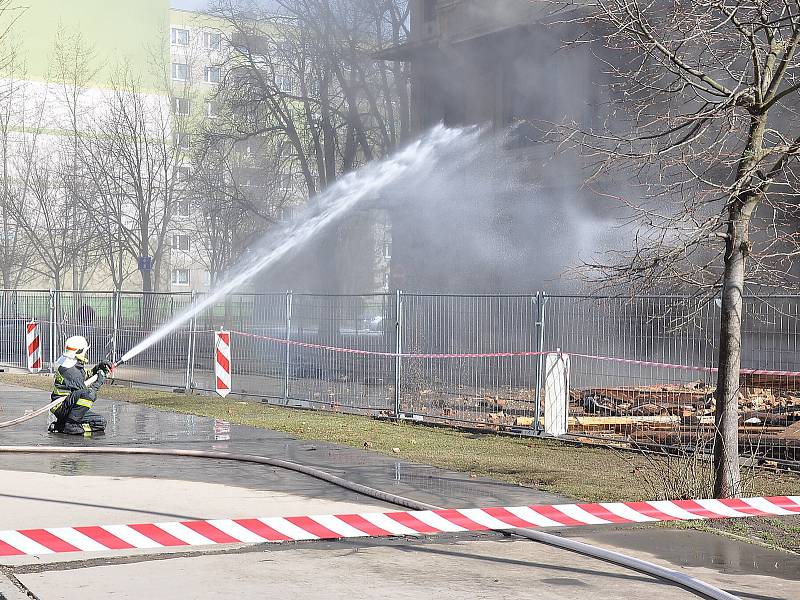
pixel 115 300
pixel 541 300
pixel 52 320
pixel 190 350
pixel 398 311
pixel 288 346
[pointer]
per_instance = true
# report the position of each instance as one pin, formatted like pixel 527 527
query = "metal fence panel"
pixel 139 315
pixel 476 390
pixel 332 380
pixel 770 403
pixel 16 308
pixel 259 364
pixel 616 391
pixel 642 369
pixel 89 314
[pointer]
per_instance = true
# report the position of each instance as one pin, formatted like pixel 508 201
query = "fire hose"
pixel 616 558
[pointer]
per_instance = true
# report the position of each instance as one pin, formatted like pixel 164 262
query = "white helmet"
pixel 76 348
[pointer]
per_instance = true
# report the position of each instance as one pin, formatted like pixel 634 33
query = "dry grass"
pixel 588 473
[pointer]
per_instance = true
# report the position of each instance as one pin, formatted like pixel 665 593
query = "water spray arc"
pixel 415 160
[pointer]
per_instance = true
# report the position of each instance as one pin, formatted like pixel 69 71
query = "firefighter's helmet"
pixel 77 348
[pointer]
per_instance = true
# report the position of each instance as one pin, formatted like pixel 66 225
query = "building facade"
pixel 197 51
pixel 500 65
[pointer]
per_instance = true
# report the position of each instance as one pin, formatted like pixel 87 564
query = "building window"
pixel 180 242
pixel 182 174
pixel 180 276
pixel 212 74
pixel 180 37
pixel 285 181
pixel 216 180
pixel 212 109
pixel 181 106
pixel 182 208
pixel 212 41
pixel 284 82
pixel 180 71
pixel 181 140
pixel 429 10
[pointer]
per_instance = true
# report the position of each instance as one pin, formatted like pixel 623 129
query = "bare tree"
pixel 309 73
pixel 131 157
pixel 703 126
pixel 306 75
pixel 74 68
pixel 17 254
pixel 237 192
pixel 42 207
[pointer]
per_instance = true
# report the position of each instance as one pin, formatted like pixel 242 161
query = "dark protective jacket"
pixel 70 384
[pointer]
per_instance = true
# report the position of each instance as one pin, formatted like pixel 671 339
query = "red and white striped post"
pixel 33 346
pixel 222 362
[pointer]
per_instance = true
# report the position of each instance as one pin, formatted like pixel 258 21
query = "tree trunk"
pixel 148 300
pixel 147 280
pixel 727 475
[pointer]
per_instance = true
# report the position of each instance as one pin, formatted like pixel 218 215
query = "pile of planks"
pixel 775 408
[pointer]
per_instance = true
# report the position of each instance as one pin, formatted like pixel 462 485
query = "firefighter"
pixel 74 415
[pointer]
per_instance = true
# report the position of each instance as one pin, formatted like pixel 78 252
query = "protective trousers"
pixel 74 417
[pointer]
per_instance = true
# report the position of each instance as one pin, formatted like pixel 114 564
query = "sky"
pixel 196 4
pixel 189 4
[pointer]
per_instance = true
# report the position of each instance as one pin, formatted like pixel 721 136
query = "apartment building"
pixel 258 172
pixel 196 55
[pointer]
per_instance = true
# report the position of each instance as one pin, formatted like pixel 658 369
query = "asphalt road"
pixel 53 490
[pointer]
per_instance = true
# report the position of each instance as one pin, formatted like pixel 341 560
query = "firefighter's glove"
pixel 103 366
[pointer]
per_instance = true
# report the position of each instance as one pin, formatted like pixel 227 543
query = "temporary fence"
pixel 639 370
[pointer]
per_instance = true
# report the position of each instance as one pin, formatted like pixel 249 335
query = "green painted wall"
pixel 119 31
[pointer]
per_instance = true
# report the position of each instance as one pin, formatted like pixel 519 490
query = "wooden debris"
pixel 791 433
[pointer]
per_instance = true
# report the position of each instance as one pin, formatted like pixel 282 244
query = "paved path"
pixel 51 490
pixel 456 569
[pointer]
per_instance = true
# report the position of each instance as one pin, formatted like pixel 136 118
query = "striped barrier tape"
pixel 383 354
pixel 627 361
pixel 408 523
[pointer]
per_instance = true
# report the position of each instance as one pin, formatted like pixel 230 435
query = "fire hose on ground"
pixel 616 558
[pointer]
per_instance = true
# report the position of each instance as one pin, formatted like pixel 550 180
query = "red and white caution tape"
pixel 427 522
pixel 383 354
pixel 222 362
pixel 33 346
pixel 627 361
